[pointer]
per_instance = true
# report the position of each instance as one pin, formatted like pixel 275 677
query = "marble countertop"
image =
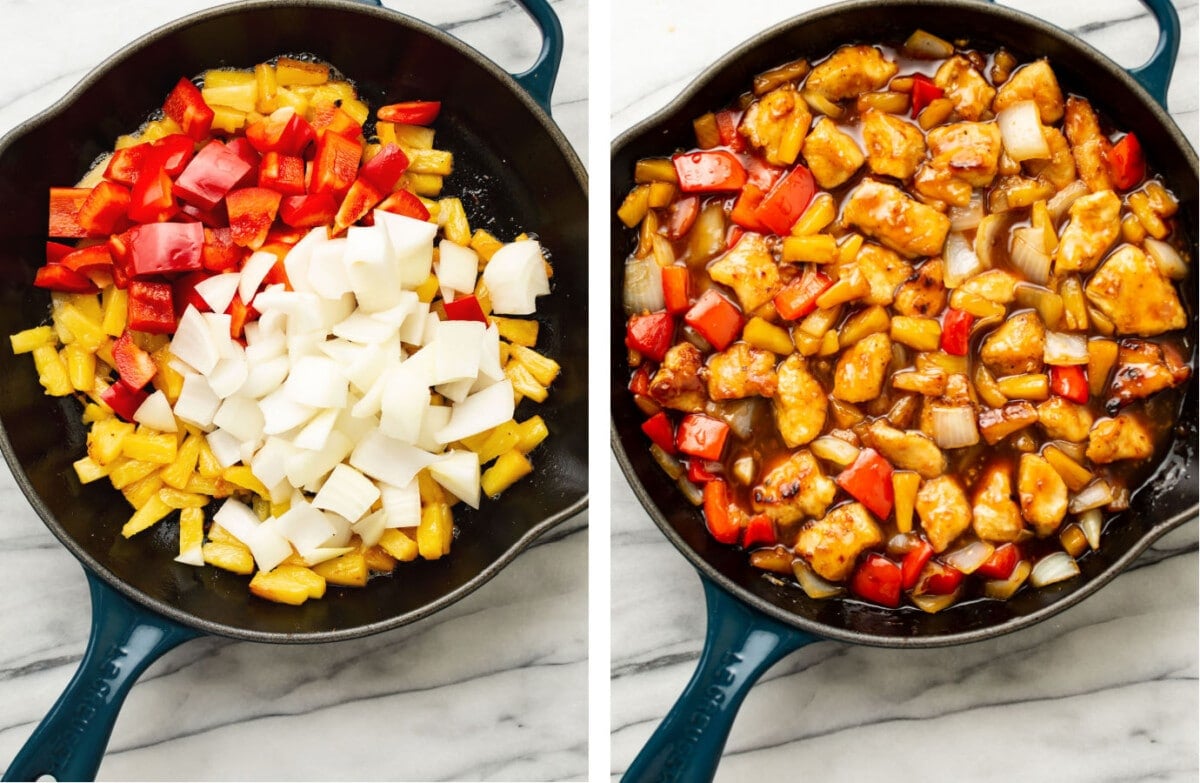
pixel 432 700
pixel 1106 691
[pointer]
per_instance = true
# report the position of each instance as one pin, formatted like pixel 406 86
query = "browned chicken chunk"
pixel 861 369
pixel 1129 289
pixel 968 151
pixel 750 270
pixel 1144 368
pixel 886 213
pixel 1088 145
pixel 1043 494
pixel 777 123
pixel 800 402
pixel 741 371
pixel 894 147
pixel 906 449
pixel 793 490
pixel 994 285
pixel 1122 437
pixel 677 383
pixel 1059 170
pixel 995 515
pixel 925 294
pixel 832 544
pixel 944 511
pixel 831 155
pixel 1017 346
pixel 1034 81
pixel 1093 226
pixel 884 271
pixel 1064 420
pixel 971 93
pixel 996 424
pixel 849 71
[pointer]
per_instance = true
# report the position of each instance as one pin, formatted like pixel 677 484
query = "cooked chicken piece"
pixel 1144 368
pixel 1016 346
pixel 894 147
pixel 1064 420
pixel 971 93
pixel 777 123
pixel 861 369
pixel 849 71
pixel 831 545
pixel 1059 170
pixel 969 151
pixel 1129 289
pixel 995 516
pixel 800 403
pixel 1088 145
pixel 886 213
pixel 996 424
pixel 906 449
pixel 1094 224
pixel 925 294
pixel 1043 494
pixel 994 285
pixel 959 391
pixel 831 155
pixel 750 270
pixel 1124 436
pixel 884 271
pixel 793 490
pixel 1034 81
pixel 677 383
pixel 741 371
pixel 944 511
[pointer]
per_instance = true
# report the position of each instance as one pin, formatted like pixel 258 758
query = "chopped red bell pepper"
pixel 133 364
pixel 956 331
pixel 123 399
pixel 938 579
pixel 172 153
pixel 721 524
pixel 914 563
pixel 64 212
pixel 716 318
pixel 744 208
pixel 152 199
pixel 799 297
pixel 186 106
pixel 282 173
pixel 869 481
pixel 410 112
pixel 126 164
pixel 677 288
pixel 315 209
pixel 701 436
pixel 329 117
pixel 727 129
pixel 215 170
pixel 240 315
pixel 219 253
pixel 335 166
pixel 650 335
pixel 245 150
pixel 57 277
pixel 877 579
pixel 762 174
pixel 183 293
pixel 760 530
pixel 1128 162
pixel 640 383
pixel 283 131
pixel 151 307
pixel 924 92
pixel 360 199
pixel 465 308
pixel 251 213
pixel 85 259
pixel 401 202
pixel 735 235
pixel 384 170
pixel 708 171
pixel 1002 562
pixel 104 209
pixel 209 218
pixel 786 202
pixel 1070 382
pixel 682 216
pixel 118 248
pixel 701 471
pixel 660 430
pixel 164 248
pixel 57 251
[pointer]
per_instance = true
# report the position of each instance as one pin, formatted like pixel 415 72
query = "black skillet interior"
pixel 1164 501
pixel 514 171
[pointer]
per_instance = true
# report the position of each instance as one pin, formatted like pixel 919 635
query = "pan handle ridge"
pixel 539 80
pixel 1155 74
pixel 739 645
pixel 125 639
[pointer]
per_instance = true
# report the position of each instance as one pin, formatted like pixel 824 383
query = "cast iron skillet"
pixel 753 622
pixel 515 171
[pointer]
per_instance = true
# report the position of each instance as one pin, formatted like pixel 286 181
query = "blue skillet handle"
pixel 1155 73
pixel 739 645
pixel 70 741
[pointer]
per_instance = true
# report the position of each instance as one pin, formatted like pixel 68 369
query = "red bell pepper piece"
pixel 914 563
pixel 745 206
pixel 924 92
pixel 172 153
pixel 956 331
pixel 251 213
pixel 1070 382
pixel 104 209
pixel 335 166
pixel 701 436
pixel 240 315
pixel 151 307
pixel 183 293
pixel 186 106
pixel 708 171
pixel 762 174
pixel 118 248
pixel 360 199
pixel 85 259
pixel 57 277
pixel 701 471
pixel 384 170
pixel 640 384
pixel 877 579
pixel 210 175
pixel 799 297
pixel 133 364
pixel 727 128
pixel 241 147
pixel 1002 562
pixel 677 285
pixel 938 579
pixel 315 209
pixel 721 524
pixel 57 251
pixel 209 218
pixel 465 308
pixel 123 399
pixel 650 335
pixel 786 202
pixel 410 112
pixel 164 248
pixel 682 216
pixel 716 318
pixel 660 430
pixel 152 199
pixel 401 202
pixel 328 117
pixel 65 204
pixel 1128 162
pixel 283 131
pixel 219 253
pixel 759 530
pixel 282 173
pixel 735 235
pixel 126 164
pixel 869 481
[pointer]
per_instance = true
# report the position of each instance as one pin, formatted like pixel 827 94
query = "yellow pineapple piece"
pixel 52 371
pixel 435 531
pixel 88 470
pixel 485 245
pixel 154 511
pixel 230 556
pixel 25 341
pixel 180 470
pixel 147 446
pixel 544 370
pixel 141 491
pixel 510 466
pixel 289 71
pixel 400 543
pixel 105 438
pixel 288 584
pixel 378 560
pixel 518 331
pixel 533 431
pixel 349 570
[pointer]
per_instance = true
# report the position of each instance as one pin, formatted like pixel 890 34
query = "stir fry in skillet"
pixel 905 322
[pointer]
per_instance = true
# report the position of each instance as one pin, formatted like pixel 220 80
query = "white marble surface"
pixel 428 701
pixel 1106 691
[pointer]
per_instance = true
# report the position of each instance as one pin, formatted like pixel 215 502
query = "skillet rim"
pixel 770 609
pixel 94 566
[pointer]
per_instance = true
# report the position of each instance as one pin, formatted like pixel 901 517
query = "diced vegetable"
pixel 869 481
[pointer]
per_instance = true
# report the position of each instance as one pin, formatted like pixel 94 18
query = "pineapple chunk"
pixel 84 329
pixel 27 340
pixel 288 584
pixel 289 72
pixel 424 185
pixel 378 560
pixel 453 220
pixel 439 162
pixel 349 570
pixel 268 85
pixel 147 446
pixel 141 491
pixel 179 499
pixel 88 470
pixel 228 120
pixel 154 511
pixel 544 370
pixel 105 438
pixel 510 466
pixel 191 532
pixel 128 471
pixel 486 245
pixel 240 94
pixel 52 371
pixel 116 311
pixel 517 331
pixel 81 367
pixel 178 472
pixel 533 431
pixel 399 544
pixel 502 438
pixel 524 384
pixel 242 476
pixel 229 556
pixel 435 532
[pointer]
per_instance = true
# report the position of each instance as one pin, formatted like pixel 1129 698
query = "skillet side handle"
pixel 739 645
pixel 539 80
pixel 1155 73
pixel 70 741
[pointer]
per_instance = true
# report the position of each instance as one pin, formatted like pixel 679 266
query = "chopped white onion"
pixel 1065 349
pixel 193 342
pixel 401 504
pixel 305 467
pixel 1098 493
pixel 347 493
pixel 316 381
pixel 813 585
pixel 241 418
pixel 456 351
pixel 263 378
pixel 317 556
pixel 1021 131
pixel 932 603
pixel 237 519
pixel 230 374
pixel 412 245
pixel 217 291
pixel 643 289
pixel 1061 201
pixel 370 528
pixel 196 404
pixel 298 260
pixel 968 217
pixel 305 527
pixel 327 275
pixel 254 271
pixel 1003 589
pixel 388 460
pixel 481 411
pixel 404 402
pixel 970 557
pixel 954 426
pixel 458 472
pixel 1055 567
pixel 1091 522
pixel 155 413
pixel 515 276
pixel 961 260
pixel 225 446
pixel 834 450
pixel 315 434
pixel 281 413
pixel 268 546
pixel 436 417
pixel 372 268
pixel 1170 263
pixel 1028 253
pixel 457 267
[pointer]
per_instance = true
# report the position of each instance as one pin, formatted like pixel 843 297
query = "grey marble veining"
pixel 1106 691
pixel 493 688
